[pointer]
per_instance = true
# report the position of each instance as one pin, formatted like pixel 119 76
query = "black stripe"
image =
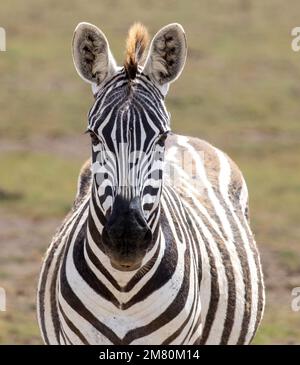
pixel 260 302
pixel 144 269
pixel 85 272
pixel 95 260
pixel 214 292
pixel 72 327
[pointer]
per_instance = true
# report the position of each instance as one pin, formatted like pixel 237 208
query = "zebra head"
pixel 128 124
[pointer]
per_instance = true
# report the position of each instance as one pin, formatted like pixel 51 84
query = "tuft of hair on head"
pixel 136 43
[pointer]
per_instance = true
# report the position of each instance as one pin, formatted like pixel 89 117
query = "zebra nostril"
pixel 136 215
pixel 139 219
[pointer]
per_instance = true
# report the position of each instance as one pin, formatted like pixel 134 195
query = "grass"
pixel 280 326
pixel 240 91
pixel 35 177
pixel 290 259
pixel 19 328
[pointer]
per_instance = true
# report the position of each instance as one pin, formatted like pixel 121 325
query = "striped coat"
pixel 200 284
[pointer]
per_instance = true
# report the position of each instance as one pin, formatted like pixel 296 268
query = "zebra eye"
pixel 162 138
pixel 94 138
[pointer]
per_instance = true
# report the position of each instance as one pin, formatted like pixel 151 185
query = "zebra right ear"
pixel 91 54
pixel 167 55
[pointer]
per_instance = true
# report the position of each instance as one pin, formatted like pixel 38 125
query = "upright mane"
pixel 136 43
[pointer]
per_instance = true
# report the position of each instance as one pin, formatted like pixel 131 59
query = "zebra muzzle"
pixel 126 236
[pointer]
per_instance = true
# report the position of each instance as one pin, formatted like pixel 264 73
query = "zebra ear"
pixel 167 55
pixel 91 54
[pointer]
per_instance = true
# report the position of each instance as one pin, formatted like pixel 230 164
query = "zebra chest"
pixel 151 308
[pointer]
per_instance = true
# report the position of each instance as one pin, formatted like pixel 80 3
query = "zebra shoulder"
pixel 221 169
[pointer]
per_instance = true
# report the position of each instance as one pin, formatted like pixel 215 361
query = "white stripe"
pixel 225 174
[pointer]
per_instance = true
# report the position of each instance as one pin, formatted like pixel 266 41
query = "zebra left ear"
pixel 92 57
pixel 167 56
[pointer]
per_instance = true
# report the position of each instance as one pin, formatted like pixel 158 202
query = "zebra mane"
pixel 136 43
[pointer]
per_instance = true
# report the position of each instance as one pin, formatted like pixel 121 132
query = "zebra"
pixel 153 251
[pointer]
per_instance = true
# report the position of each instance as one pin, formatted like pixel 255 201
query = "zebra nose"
pixel 127 234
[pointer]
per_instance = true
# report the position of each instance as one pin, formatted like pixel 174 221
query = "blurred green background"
pixel 240 91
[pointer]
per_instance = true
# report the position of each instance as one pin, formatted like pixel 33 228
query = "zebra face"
pixel 128 124
pixel 128 127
